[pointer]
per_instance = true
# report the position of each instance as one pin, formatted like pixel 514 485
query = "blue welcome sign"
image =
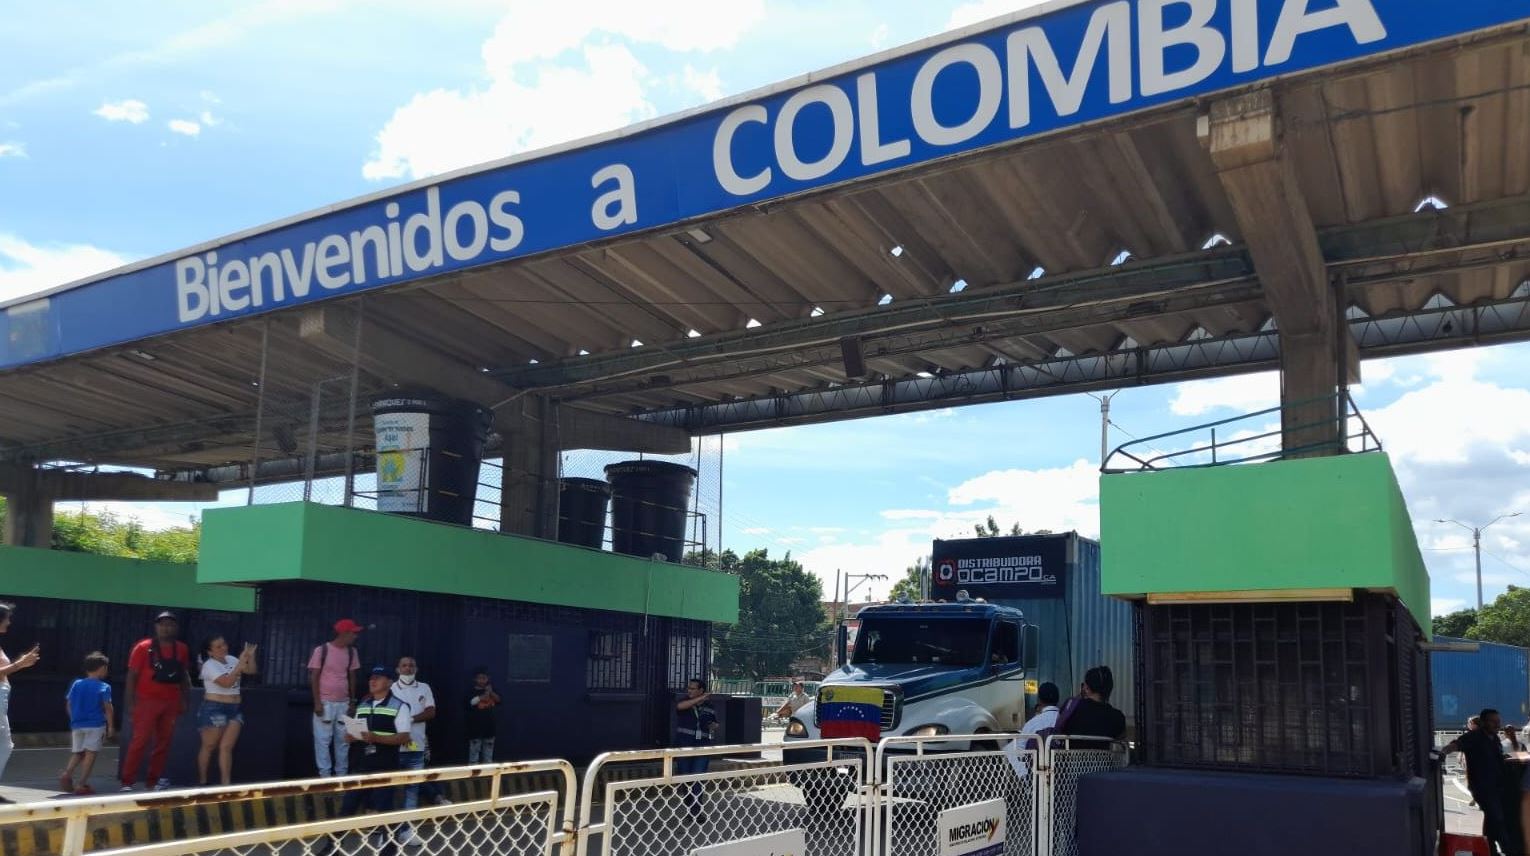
pixel 1046 69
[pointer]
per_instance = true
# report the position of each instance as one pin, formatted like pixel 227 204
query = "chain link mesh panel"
pixel 919 787
pixel 528 814
pixel 1066 761
pixel 685 810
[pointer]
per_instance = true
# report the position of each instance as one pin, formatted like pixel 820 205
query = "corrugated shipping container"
pixel 1081 629
pixel 1497 676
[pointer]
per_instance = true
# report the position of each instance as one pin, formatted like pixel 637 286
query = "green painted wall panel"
pixel 1338 522
pixel 339 545
pixel 30 572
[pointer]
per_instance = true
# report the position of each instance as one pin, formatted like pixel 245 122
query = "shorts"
pixel 87 739
pixel 217 714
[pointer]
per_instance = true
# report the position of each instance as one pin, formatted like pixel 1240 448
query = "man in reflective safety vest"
pixel 386 720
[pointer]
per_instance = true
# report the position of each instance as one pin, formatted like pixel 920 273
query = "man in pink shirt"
pixel 332 678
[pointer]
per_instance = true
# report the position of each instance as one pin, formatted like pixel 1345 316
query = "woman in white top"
pixel 219 718
pixel 9 667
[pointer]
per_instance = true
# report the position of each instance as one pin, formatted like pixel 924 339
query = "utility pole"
pixel 1104 401
pixel 1477 545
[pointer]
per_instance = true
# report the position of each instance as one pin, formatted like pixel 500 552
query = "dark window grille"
pixel 1295 688
pixel 530 658
pixel 610 663
pixel 687 659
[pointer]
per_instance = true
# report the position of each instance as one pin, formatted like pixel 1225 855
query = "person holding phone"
pixel 220 720
pixel 9 667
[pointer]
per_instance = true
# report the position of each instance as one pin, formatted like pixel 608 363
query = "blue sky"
pixel 131 130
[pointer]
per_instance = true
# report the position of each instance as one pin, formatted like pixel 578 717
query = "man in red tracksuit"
pixel 158 686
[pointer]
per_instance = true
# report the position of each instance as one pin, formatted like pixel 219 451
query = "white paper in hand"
pixel 353 726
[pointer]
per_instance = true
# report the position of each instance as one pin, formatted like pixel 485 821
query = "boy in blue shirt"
pixel 89 704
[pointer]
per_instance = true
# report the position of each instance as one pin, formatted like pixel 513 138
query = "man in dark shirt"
pixel 1090 715
pixel 1484 776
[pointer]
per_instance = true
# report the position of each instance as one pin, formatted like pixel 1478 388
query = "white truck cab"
pixel 926 669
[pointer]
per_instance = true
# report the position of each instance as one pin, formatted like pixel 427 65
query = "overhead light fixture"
pixel 897 252
pixel 700 236
pixel 144 355
pixel 692 334
pixel 752 324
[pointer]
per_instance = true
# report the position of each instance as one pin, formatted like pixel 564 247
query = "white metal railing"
pixel 661 801
pixel 513 814
pixel 917 780
pixel 848 798
pixel 1065 760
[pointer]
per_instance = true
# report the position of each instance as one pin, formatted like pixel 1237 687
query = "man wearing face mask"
pixel 416 753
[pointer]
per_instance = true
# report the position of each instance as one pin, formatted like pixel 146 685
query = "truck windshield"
pixel 943 641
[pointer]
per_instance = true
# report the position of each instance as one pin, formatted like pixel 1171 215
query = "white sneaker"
pixel 162 785
pixel 127 789
pixel 407 838
pixel 443 801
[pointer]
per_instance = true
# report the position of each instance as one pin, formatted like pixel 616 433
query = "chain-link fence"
pixel 845 797
pixel 523 809
pixel 919 783
pixel 676 804
pixel 1064 761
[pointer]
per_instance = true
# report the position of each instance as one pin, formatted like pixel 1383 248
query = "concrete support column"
pixel 28 509
pixel 528 429
pixel 1318 355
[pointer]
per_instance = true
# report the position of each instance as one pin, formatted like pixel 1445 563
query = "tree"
pixel 105 534
pixel 990 529
pixel 1505 620
pixel 1456 624
pixel 912 583
pixel 780 615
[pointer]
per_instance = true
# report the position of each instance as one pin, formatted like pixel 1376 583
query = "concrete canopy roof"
pixel 985 274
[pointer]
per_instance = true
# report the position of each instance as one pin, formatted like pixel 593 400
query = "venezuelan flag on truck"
pixel 850 712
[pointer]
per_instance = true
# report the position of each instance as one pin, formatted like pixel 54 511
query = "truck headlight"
pixel 929 731
pixel 796 729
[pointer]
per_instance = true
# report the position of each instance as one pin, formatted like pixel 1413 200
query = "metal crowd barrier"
pixel 917 781
pixel 513 811
pixel 845 797
pixel 679 808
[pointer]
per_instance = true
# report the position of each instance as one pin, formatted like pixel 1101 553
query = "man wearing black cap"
pixel 387 721
pixel 157 689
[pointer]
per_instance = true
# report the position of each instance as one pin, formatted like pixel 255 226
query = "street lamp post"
pixel 1477 545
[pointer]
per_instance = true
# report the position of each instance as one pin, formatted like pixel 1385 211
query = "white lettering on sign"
pixel 791 842
pixel 972 830
pixel 374 252
pixel 1184 33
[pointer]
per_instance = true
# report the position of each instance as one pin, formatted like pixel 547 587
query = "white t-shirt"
pixel 795 702
pixel 419 696
pixel 1047 718
pixel 212 670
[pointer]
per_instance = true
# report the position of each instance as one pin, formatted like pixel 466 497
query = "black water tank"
pixel 582 511
pixel 649 501
pixel 428 452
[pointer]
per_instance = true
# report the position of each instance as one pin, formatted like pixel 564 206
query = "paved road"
pixel 32 773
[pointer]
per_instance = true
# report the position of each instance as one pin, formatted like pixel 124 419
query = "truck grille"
pixel 889 710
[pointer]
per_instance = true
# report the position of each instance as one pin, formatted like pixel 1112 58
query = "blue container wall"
pixel 1497 676
pixel 1083 629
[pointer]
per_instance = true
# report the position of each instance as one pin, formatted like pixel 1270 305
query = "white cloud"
pixel 757 530
pixel 26 268
pixel 12 150
pixel 130 110
pixel 1241 393
pixel 208 119
pixel 154 517
pixel 544 58
pixel 1445 605
pixel 1060 499
pixel 982 10
pixel 184 126
pixel 911 514
pixel 707 84
pixel 879 36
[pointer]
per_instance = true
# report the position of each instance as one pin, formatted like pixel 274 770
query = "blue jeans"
pixel 329 734
pixel 409 761
pixel 481 750
pixel 693 766
pixel 5 726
